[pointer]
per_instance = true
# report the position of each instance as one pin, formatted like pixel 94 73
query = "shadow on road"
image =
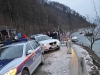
pixel 50 51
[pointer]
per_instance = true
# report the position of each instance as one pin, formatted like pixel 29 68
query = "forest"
pixel 37 16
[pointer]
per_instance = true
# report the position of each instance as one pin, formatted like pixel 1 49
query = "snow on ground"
pixel 59 62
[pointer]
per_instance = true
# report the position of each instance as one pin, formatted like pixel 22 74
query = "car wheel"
pixel 58 48
pixel 25 72
pixel 42 59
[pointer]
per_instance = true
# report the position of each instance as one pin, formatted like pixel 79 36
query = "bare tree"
pixel 93 31
pixel 93 34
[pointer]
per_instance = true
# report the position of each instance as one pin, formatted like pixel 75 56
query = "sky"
pixel 83 7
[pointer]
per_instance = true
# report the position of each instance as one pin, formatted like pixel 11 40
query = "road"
pixel 56 63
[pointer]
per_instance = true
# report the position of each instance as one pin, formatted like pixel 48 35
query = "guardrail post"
pixel 69 46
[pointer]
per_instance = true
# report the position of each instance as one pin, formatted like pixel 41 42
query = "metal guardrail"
pixel 77 64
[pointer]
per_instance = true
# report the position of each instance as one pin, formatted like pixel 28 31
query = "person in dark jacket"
pixel 49 34
pixel 55 34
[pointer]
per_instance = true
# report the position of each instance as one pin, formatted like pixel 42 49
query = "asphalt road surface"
pixel 56 63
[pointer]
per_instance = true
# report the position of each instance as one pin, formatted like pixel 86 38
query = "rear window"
pixel 11 52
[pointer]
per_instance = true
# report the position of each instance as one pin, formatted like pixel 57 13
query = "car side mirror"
pixel 29 52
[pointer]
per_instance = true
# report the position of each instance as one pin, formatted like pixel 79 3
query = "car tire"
pixel 42 59
pixel 58 48
pixel 25 72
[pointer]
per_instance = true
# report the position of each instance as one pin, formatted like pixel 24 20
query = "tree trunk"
pixel 91 45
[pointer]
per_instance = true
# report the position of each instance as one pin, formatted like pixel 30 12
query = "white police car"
pixel 20 58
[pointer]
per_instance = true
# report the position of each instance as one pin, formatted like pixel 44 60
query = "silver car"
pixel 47 42
pixel 20 58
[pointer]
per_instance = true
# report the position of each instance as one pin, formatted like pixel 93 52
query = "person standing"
pixel 24 38
pixel 61 38
pixel 55 34
pixel 49 34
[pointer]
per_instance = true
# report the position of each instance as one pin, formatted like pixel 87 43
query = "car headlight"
pixel 44 44
pixel 11 72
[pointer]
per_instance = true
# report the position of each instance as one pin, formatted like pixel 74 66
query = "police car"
pixel 20 58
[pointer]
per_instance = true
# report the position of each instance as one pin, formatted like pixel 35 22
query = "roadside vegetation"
pixel 93 32
pixel 36 16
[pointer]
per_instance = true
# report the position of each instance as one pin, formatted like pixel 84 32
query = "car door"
pixel 37 56
pixel 30 56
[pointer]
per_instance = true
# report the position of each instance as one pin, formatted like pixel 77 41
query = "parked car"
pixel 74 39
pixel 20 58
pixel 47 42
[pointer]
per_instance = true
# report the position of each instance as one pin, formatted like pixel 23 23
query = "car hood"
pixel 8 64
pixel 4 62
pixel 48 41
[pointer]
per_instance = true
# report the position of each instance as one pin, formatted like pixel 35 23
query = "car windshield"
pixel 11 52
pixel 41 38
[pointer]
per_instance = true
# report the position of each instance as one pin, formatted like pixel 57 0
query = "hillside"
pixel 35 16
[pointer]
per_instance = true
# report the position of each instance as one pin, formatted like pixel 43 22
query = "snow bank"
pixel 85 54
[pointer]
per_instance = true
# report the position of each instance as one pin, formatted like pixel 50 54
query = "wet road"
pixel 56 63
